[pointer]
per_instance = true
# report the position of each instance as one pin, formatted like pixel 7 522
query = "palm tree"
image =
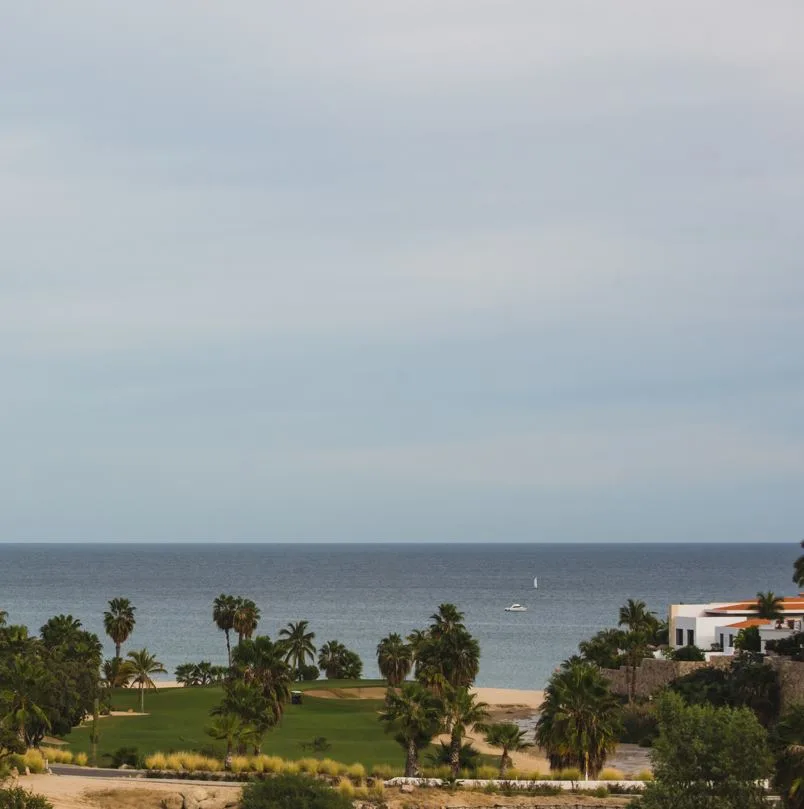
pixel 261 662
pixel 116 672
pixel 224 608
pixel 394 658
pixel 413 715
pixel 143 664
pixel 580 719
pixel 21 687
pixel 460 710
pixel 330 658
pixel 3 617
pixel 227 727
pixel 246 618
pixel 603 648
pixel 447 619
pixel 298 643
pixel 509 738
pixel 246 701
pixel 770 606
pixel 787 740
pixel 636 617
pixel 119 622
pixel 798 569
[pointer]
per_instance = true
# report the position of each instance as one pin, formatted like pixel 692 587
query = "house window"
pixel 721 641
pixel 690 637
pixel 731 641
pixel 679 637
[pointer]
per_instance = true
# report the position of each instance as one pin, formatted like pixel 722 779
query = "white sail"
pixel 535 581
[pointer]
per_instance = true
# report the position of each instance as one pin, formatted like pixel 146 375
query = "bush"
pixel 32 759
pixel 123 755
pixel 309 673
pixel 293 792
pixel 329 767
pixel 356 771
pixel 688 653
pixel 157 761
pixel 643 775
pixel 382 771
pixel 639 725
pixel 611 774
pixel 570 774
pixel 19 798
pixel 80 759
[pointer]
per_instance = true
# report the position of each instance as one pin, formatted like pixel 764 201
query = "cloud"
pixel 383 247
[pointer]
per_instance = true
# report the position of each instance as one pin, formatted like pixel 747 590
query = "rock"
pixel 407 788
pixel 125 767
pixel 27 771
pixel 221 799
pixel 174 801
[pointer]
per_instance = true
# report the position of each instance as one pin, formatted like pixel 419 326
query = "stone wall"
pixel 655 673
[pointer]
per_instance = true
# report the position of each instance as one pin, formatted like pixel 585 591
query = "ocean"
pixel 357 594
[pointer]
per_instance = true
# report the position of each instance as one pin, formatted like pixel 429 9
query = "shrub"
pixel 346 788
pixel 19 798
pixel 123 755
pixel 383 771
pixel 31 759
pixel 156 761
pixel 271 764
pixel 356 771
pixel 240 764
pixel 308 765
pixel 329 767
pixel 570 774
pixel 376 792
pixel 611 774
pixel 485 773
pixel 56 756
pixel 309 673
pixel 513 774
pixel 81 759
pixel 538 775
pixel 687 653
pixel 290 768
pixel 293 792
pixel 644 775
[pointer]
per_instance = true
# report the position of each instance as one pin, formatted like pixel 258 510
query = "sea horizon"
pixel 358 592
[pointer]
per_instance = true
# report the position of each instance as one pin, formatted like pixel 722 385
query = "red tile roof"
pixel 749 622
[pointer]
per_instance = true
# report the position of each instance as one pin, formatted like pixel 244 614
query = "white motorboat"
pixel 516 608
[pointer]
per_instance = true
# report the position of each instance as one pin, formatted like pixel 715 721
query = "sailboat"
pixel 535 582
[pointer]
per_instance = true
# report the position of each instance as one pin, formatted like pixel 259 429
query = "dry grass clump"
pixel 384 771
pixel 644 775
pixel 271 764
pixel 356 771
pixel 570 774
pixel 81 759
pixel 308 765
pixel 156 761
pixel 346 788
pixel 32 759
pixel 376 792
pixel 57 756
pixel 329 767
pixel 611 774
pixel 240 764
pixel 290 768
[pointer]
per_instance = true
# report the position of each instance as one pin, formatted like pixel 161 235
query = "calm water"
pixel 358 593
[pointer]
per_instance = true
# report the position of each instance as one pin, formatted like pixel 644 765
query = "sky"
pixel 460 271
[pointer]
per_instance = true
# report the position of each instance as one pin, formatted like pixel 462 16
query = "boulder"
pixel 193 797
pixel 173 801
pixel 408 788
pixel 219 799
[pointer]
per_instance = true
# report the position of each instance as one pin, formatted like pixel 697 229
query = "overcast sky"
pixel 402 271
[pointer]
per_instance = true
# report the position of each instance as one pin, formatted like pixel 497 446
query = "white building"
pixel 710 625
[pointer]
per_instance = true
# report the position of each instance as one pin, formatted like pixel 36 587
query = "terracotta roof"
pixel 793 604
pixel 749 622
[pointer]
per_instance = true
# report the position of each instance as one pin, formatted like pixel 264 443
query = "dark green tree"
pixel 119 621
pixel 580 719
pixel 394 659
pixel 298 645
pixel 707 758
pixel 413 715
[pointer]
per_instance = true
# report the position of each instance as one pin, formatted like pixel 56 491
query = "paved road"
pixel 94 772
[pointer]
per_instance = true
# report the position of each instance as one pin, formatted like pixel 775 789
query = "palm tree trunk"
pixel 117 649
pixel 504 762
pixel 586 765
pixel 455 753
pixel 142 697
pixel 412 760
pixel 228 648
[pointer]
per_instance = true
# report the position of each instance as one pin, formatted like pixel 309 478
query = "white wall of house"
pixel 729 634
pixel 703 630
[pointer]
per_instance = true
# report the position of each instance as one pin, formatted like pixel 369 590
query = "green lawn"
pixel 177 718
